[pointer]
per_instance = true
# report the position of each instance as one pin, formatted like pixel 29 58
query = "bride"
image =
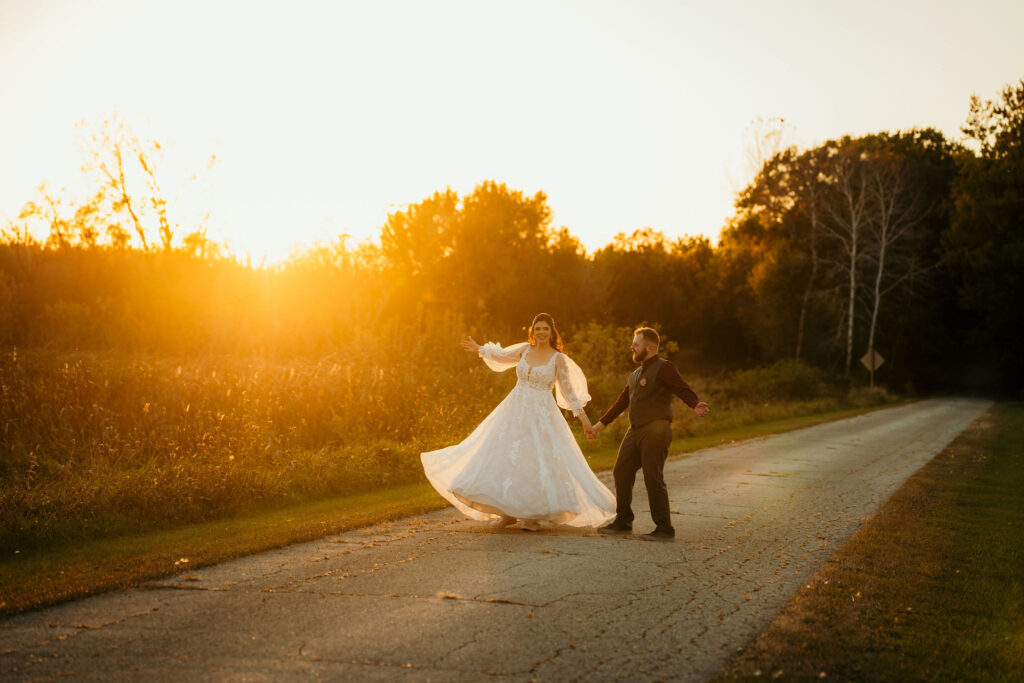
pixel 522 462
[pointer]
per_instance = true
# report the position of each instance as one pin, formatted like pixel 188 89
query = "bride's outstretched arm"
pixel 494 356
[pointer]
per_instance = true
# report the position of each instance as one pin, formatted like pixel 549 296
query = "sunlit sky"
pixel 325 116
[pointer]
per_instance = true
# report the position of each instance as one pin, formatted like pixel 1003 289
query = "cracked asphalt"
pixel 440 598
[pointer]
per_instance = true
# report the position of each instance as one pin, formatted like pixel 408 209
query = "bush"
pixel 785 380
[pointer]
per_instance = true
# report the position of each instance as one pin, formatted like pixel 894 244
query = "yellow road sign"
pixel 872 360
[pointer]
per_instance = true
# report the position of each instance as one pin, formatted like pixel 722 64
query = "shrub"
pixel 785 380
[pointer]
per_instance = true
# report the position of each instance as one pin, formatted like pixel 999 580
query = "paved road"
pixel 439 598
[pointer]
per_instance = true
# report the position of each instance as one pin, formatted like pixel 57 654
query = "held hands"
pixel 702 409
pixel 469 344
pixel 593 431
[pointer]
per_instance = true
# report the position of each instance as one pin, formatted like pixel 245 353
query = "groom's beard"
pixel 640 356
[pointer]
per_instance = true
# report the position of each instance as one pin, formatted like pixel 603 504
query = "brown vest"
pixel 648 400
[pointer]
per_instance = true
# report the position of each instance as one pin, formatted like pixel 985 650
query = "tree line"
pixel 907 245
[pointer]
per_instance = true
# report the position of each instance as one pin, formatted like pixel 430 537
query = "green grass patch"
pixel 930 589
pixel 42 575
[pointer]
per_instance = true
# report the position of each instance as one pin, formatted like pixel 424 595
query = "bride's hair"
pixel 556 338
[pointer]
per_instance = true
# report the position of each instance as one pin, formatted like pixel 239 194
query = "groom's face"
pixel 640 349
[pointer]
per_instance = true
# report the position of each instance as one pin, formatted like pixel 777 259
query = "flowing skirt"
pixel 521 461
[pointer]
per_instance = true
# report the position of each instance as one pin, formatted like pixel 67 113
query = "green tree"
pixel 840 241
pixel 491 257
pixel 986 236
pixel 635 276
pixel 781 225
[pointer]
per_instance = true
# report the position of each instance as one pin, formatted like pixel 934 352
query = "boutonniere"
pixel 643 381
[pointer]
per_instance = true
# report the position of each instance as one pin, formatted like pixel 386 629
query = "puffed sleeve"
pixel 500 359
pixel 570 385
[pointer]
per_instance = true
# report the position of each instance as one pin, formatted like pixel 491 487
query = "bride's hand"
pixel 470 345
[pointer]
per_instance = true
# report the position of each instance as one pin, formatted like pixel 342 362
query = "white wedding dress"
pixel 522 461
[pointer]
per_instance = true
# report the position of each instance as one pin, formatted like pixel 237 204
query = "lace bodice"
pixel 559 372
pixel 537 377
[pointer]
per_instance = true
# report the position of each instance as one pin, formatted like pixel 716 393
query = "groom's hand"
pixel 702 409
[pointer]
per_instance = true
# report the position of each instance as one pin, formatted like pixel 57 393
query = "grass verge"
pixel 930 589
pixel 48 575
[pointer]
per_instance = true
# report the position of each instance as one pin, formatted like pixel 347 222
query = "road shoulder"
pixel 929 589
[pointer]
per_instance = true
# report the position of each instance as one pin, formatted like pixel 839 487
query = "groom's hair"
pixel 648 333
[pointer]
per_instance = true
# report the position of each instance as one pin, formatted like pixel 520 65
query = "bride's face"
pixel 542 332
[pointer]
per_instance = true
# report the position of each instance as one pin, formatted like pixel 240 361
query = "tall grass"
pixel 97 442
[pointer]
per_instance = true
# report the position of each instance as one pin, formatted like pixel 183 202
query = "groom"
pixel 648 394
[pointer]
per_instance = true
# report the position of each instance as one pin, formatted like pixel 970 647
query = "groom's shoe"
pixel 616 528
pixel 661 534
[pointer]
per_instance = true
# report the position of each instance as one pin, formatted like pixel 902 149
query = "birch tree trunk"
pixel 847 226
pixel 897 210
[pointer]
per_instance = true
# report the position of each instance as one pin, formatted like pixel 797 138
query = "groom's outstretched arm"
pixel 668 374
pixel 621 403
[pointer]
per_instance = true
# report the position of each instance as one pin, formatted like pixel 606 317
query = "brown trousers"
pixel 644 448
